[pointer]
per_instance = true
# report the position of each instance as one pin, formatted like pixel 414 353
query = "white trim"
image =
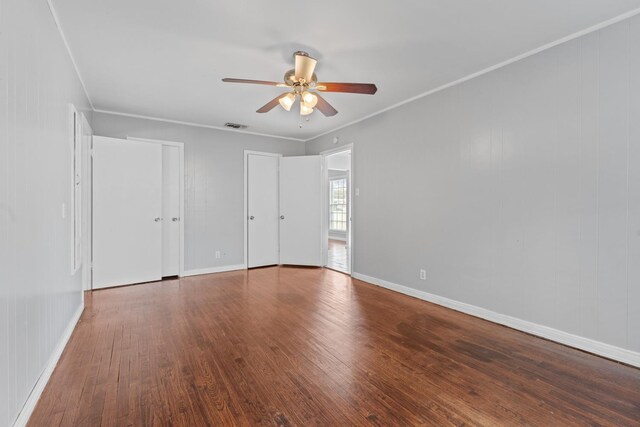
pixel 87 204
pixel 66 45
pixel 43 379
pixel 179 122
pixel 547 46
pixel 211 270
pixel 586 344
pixel 180 146
pixel 70 211
pixel 337 150
pixel 157 141
pixel 245 238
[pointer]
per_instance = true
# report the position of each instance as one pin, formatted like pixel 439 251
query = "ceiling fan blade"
pixel 305 65
pixel 324 107
pixel 270 105
pixel 362 88
pixel 254 82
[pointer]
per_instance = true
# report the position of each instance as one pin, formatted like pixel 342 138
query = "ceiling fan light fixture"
pixel 302 82
pixel 309 99
pixel 305 109
pixel 287 101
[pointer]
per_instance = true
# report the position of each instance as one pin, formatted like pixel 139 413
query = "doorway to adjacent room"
pixel 338 210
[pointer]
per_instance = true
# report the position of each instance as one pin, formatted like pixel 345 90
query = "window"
pixel 338 204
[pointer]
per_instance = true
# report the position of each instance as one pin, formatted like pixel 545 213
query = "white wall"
pixel 38 295
pixel 339 161
pixel 214 182
pixel 518 191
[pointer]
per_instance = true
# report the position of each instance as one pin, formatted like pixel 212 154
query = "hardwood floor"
pixel 289 346
pixel 338 256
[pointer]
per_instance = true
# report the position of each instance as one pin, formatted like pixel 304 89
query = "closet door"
pixel 170 210
pixel 262 210
pixel 127 212
pixel 301 210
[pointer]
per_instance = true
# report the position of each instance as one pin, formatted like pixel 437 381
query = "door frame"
pixel 180 146
pixel 87 204
pixel 325 202
pixel 77 154
pixel 245 202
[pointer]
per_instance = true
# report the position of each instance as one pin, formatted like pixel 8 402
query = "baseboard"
pixel 606 350
pixel 38 388
pixel 221 269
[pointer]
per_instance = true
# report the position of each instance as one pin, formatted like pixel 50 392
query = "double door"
pixel 136 211
pixel 284 221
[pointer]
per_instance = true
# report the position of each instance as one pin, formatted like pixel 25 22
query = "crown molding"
pixel 547 46
pixel 66 45
pixel 179 122
pixel 517 58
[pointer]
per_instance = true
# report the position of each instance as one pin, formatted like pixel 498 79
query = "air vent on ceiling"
pixel 234 125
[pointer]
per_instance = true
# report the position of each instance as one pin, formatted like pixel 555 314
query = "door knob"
pixel 251 217
pixel 157 219
pixel 281 216
pixel 175 219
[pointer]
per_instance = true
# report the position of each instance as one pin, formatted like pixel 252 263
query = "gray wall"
pixel 38 294
pixel 214 181
pixel 518 191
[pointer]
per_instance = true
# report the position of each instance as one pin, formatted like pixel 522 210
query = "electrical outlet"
pixel 217 254
pixel 357 191
pixel 423 274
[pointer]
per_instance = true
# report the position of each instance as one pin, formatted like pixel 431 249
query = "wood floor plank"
pixel 285 346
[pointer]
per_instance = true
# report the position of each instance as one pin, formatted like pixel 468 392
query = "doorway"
pixel 337 209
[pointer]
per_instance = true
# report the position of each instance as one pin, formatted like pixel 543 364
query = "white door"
pixel 170 210
pixel 127 212
pixel 301 210
pixel 262 210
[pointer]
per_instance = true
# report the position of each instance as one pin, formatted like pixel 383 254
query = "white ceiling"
pixel 165 58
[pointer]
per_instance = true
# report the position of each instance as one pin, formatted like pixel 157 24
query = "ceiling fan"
pixel 303 84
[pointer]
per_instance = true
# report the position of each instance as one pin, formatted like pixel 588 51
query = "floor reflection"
pixel 338 258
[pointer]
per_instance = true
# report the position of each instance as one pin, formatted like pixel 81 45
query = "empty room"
pixel 294 213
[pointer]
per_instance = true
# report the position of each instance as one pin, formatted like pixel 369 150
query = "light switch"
pixel 357 191
pixel 64 210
